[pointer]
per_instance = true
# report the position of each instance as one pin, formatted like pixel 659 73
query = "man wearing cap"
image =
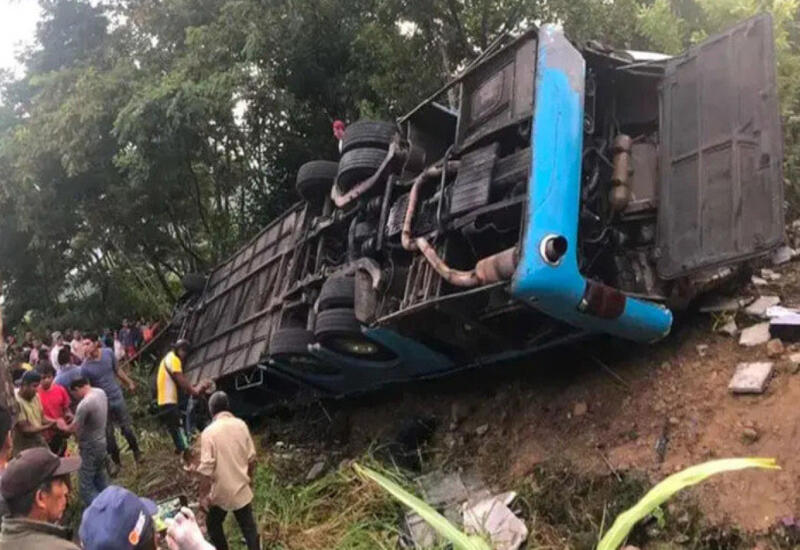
pixel 32 422
pixel 119 520
pixel 89 424
pixel 35 487
pixel 227 461
pixel 169 380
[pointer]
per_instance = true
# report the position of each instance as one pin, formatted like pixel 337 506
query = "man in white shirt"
pixel 227 462
pixel 57 344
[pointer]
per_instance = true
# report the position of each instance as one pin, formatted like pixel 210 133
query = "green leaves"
pixel 622 526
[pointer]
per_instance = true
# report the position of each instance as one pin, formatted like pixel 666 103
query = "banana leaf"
pixel 622 526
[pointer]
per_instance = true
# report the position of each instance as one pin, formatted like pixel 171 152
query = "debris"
pixel 482 429
pixel 774 347
pixel 781 311
pixel 770 275
pixel 702 349
pixel 580 408
pixel 724 304
pixel 760 306
pixel 783 255
pixel 729 328
pixel 419 531
pixel 786 327
pixel 794 363
pixel 674 421
pixel 316 470
pixel 493 517
pixel 755 335
pixel 758 281
pixel 751 377
pixel 446 492
pixel 750 435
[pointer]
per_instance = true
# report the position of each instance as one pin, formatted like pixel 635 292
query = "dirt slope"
pixel 605 404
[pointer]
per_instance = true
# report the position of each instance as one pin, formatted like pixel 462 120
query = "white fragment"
pixel 729 328
pixel 758 281
pixel 315 471
pixel 760 306
pixel 755 335
pixel 783 255
pixel 751 377
pixel 492 516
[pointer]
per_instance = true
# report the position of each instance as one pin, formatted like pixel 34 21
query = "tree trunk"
pixel 7 400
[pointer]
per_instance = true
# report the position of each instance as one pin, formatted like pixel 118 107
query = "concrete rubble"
pixel 755 335
pixel 783 255
pixel 784 323
pixel 445 492
pixel 774 348
pixel 760 306
pixel 465 501
pixel 729 328
pixel 751 377
pixel 493 517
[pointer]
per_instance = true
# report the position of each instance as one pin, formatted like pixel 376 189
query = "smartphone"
pixel 170 507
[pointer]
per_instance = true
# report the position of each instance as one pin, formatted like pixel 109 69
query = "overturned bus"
pixel 572 191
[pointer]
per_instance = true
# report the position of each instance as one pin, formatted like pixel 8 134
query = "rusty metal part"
pixel 498 267
pixel 396 153
pixel 620 194
pixel 413 195
pixel 492 269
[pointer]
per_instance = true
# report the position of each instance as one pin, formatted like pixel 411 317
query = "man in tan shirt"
pixel 227 461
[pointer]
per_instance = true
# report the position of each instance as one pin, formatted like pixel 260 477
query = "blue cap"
pixel 115 520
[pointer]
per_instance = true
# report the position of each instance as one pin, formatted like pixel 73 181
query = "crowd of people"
pixel 73 387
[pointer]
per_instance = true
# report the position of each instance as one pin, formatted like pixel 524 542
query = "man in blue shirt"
pixel 100 369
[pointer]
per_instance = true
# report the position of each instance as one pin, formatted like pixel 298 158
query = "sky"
pixel 17 28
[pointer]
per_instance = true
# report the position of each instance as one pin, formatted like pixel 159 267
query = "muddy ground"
pixel 604 407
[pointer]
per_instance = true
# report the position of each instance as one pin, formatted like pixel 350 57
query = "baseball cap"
pixel 115 520
pixel 32 468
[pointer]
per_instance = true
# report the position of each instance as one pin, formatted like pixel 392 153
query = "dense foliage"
pixel 149 138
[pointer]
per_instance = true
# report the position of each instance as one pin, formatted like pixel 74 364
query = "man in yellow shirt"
pixel 170 380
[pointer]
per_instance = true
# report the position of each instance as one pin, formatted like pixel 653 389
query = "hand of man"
pixel 184 533
pixel 132 386
pixel 61 425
